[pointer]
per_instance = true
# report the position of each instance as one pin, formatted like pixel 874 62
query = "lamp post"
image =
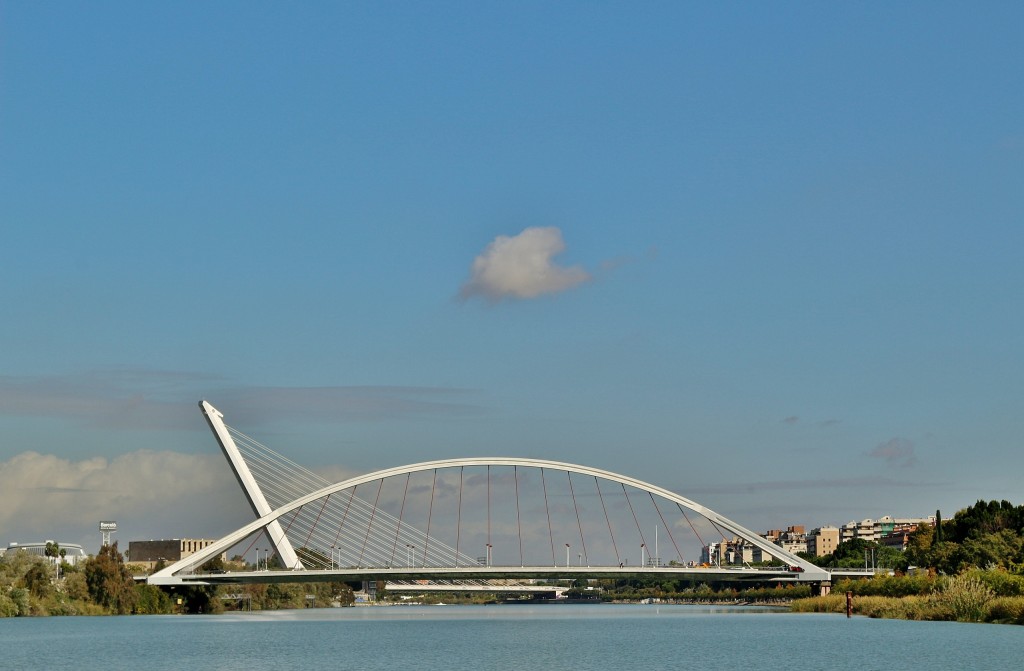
pixel 642 561
pixel 489 546
pixel 567 555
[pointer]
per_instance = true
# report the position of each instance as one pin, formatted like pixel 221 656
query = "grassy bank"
pixel 974 596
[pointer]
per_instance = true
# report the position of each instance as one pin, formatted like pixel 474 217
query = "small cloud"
pixel 792 419
pixel 522 267
pixel 896 452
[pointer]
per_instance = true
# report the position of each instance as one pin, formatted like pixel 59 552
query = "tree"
pixel 919 544
pixel 999 549
pixel 946 557
pixel 849 554
pixel 201 599
pixel 110 584
pixel 37 581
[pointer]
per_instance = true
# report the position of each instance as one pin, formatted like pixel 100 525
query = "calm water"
pixel 431 638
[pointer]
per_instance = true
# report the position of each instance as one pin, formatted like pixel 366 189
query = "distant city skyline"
pixel 766 257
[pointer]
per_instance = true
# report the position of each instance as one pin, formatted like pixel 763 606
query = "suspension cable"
pixel 643 542
pixel 597 484
pixel 401 512
pixel 317 520
pixel 693 528
pixel 667 528
pixel 488 560
pixel 551 533
pixel 369 524
pixel 519 524
pixel 458 519
pixel 430 514
pixel 345 516
pixel 583 542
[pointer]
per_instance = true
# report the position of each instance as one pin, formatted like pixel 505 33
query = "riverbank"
pixel 969 597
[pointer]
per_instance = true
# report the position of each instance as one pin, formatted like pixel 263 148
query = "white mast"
pixel 252 490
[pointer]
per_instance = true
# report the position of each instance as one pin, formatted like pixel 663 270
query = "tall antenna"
pixel 107 528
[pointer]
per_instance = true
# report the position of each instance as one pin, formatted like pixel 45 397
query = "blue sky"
pixel 767 256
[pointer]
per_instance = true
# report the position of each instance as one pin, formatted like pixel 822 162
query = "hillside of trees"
pixel 103 585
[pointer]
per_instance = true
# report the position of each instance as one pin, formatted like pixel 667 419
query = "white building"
pixel 73 553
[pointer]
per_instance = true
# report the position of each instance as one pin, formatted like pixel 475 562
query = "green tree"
pixel 850 554
pixel 1000 549
pixel 37 580
pixel 201 599
pixel 919 545
pixel 946 557
pixel 215 565
pixel 109 582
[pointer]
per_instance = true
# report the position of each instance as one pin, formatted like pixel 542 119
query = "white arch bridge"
pixel 493 518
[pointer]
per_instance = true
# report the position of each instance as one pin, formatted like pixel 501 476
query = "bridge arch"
pixel 320 497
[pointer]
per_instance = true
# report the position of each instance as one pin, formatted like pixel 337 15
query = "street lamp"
pixel 489 546
pixel 642 561
pixel 567 555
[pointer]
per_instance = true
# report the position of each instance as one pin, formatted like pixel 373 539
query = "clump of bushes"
pixel 972 596
pixel 966 596
pixel 1006 610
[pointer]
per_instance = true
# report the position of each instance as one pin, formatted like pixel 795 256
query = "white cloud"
pixel 522 267
pixel 150 495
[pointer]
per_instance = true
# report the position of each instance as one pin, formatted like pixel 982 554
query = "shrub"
pixel 7 606
pixel 1006 610
pixel 1001 582
pixel 966 596
pixel 832 603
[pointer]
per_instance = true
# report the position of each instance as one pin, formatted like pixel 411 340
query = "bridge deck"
pixel 489 573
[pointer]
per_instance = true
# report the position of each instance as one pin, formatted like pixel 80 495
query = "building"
pixel 888 531
pixel 736 551
pixel 899 535
pixel 793 539
pixel 73 553
pixel 148 553
pixel 867 529
pixel 822 541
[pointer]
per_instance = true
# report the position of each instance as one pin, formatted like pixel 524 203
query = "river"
pixel 576 637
